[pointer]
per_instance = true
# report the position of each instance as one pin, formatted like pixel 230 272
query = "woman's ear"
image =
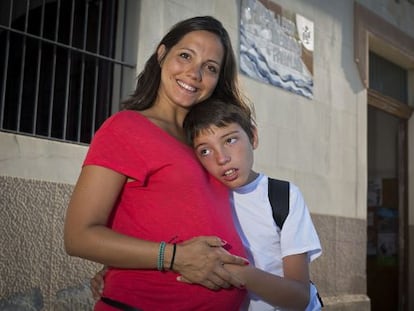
pixel 255 138
pixel 161 53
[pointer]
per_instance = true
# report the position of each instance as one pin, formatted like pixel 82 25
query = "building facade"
pixel 347 143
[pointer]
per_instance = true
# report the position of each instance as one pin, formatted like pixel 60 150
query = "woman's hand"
pixel 200 261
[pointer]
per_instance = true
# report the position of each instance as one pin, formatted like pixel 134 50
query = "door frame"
pixel 403 113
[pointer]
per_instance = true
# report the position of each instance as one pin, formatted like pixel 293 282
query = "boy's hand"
pixel 97 283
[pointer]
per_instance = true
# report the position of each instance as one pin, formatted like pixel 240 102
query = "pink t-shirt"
pixel 172 197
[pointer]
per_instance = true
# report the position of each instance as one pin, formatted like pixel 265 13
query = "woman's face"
pixel 190 70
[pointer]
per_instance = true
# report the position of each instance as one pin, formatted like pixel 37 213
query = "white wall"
pixel 319 144
pixel 40 159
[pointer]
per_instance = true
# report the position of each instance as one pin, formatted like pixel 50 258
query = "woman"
pixel 143 203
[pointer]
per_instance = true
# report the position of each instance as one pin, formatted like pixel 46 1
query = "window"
pixel 58 66
pixel 388 78
pixel 388 86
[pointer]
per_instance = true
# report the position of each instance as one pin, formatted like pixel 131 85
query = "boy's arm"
pixel 97 283
pixel 290 291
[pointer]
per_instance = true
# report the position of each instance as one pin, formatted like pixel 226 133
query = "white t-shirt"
pixel 265 243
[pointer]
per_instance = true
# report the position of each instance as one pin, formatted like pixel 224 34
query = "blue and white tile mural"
pixel 276 46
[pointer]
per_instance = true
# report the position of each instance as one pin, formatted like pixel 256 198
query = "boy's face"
pixel 227 153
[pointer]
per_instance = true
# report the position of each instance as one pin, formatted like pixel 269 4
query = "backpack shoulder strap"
pixel 278 192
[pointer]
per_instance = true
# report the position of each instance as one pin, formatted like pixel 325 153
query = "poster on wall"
pixel 276 46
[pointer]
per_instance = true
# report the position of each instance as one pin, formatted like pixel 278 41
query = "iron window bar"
pixel 72 87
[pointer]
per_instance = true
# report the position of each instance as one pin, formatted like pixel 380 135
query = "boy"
pixel 224 138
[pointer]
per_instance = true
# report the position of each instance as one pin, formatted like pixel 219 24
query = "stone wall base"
pixel 347 303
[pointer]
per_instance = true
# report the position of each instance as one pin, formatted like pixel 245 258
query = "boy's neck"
pixel 252 176
pixel 250 184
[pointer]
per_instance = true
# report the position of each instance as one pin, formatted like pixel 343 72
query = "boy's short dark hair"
pixel 216 112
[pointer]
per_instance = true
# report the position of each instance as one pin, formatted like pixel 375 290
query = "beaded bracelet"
pixel 173 255
pixel 160 262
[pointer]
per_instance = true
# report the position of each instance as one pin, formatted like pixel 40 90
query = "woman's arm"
pixel 87 236
pixel 290 291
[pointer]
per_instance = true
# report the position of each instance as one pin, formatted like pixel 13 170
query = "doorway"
pixel 387 223
pixel 383 217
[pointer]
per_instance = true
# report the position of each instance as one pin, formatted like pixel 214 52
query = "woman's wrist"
pixel 161 256
pixel 170 252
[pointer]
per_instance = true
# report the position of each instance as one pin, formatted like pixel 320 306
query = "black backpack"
pixel 278 192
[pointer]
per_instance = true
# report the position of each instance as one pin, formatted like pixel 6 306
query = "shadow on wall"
pixel 36 273
pixel 72 298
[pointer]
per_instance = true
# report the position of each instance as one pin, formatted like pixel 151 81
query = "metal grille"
pixel 388 78
pixel 57 66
